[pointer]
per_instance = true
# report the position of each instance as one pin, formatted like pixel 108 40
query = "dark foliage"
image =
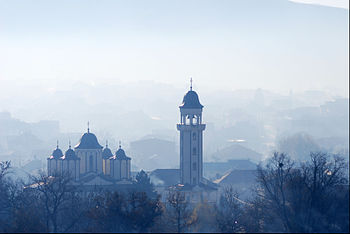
pixel 311 196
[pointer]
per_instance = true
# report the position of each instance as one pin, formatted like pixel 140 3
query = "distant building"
pixel 153 153
pixel 241 181
pixel 217 169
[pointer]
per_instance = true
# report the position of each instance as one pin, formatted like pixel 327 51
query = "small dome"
pixel 57 153
pixel 191 101
pixel 70 154
pixel 88 141
pixel 120 154
pixel 106 153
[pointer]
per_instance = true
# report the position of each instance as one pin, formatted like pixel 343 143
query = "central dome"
pixel 88 141
pixel 191 101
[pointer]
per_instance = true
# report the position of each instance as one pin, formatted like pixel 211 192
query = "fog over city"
pixel 272 75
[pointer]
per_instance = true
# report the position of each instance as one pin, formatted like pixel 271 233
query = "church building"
pixel 90 164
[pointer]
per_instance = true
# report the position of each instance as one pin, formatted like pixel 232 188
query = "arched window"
pixel 194 136
pixel 188 120
pixel 194 151
pixel 194 166
pixel 195 120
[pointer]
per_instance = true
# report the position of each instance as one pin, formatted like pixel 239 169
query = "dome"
pixel 120 154
pixel 70 154
pixel 88 141
pixel 106 153
pixel 191 101
pixel 57 153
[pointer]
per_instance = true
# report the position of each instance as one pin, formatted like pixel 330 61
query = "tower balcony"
pixel 190 127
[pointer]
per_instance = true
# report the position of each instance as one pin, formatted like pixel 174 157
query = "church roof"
pixel 106 153
pixel 57 153
pixel 165 177
pixel 70 154
pixel 238 177
pixel 120 154
pixel 191 101
pixel 88 141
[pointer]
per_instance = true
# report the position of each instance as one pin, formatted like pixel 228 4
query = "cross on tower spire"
pixel 191 84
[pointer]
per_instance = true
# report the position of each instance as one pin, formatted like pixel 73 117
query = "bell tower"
pixel 191 139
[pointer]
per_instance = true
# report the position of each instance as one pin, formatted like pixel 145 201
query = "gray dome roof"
pixel 106 153
pixel 70 154
pixel 88 141
pixel 120 154
pixel 191 101
pixel 57 153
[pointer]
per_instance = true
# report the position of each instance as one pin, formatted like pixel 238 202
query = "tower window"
pixel 187 120
pixel 194 136
pixel 195 120
pixel 194 180
pixel 91 163
pixel 194 151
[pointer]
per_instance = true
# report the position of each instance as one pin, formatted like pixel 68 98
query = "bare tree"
pixel 178 210
pixel 323 178
pixel 27 213
pixel 230 211
pixel 5 194
pixel 308 198
pixel 273 179
pixel 54 192
pixel 142 210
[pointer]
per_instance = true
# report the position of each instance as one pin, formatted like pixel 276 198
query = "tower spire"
pixel 120 144
pixel 70 144
pixel 88 124
pixel 191 84
pixel 57 144
pixel 106 143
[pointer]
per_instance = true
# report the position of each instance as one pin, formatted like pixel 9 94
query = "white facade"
pixel 71 167
pixel 120 165
pixel 120 169
pixel 54 166
pixel 90 160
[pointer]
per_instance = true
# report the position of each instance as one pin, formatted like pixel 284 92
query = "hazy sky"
pixel 332 3
pixel 226 44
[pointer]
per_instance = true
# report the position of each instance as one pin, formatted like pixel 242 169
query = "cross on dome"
pixel 191 84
